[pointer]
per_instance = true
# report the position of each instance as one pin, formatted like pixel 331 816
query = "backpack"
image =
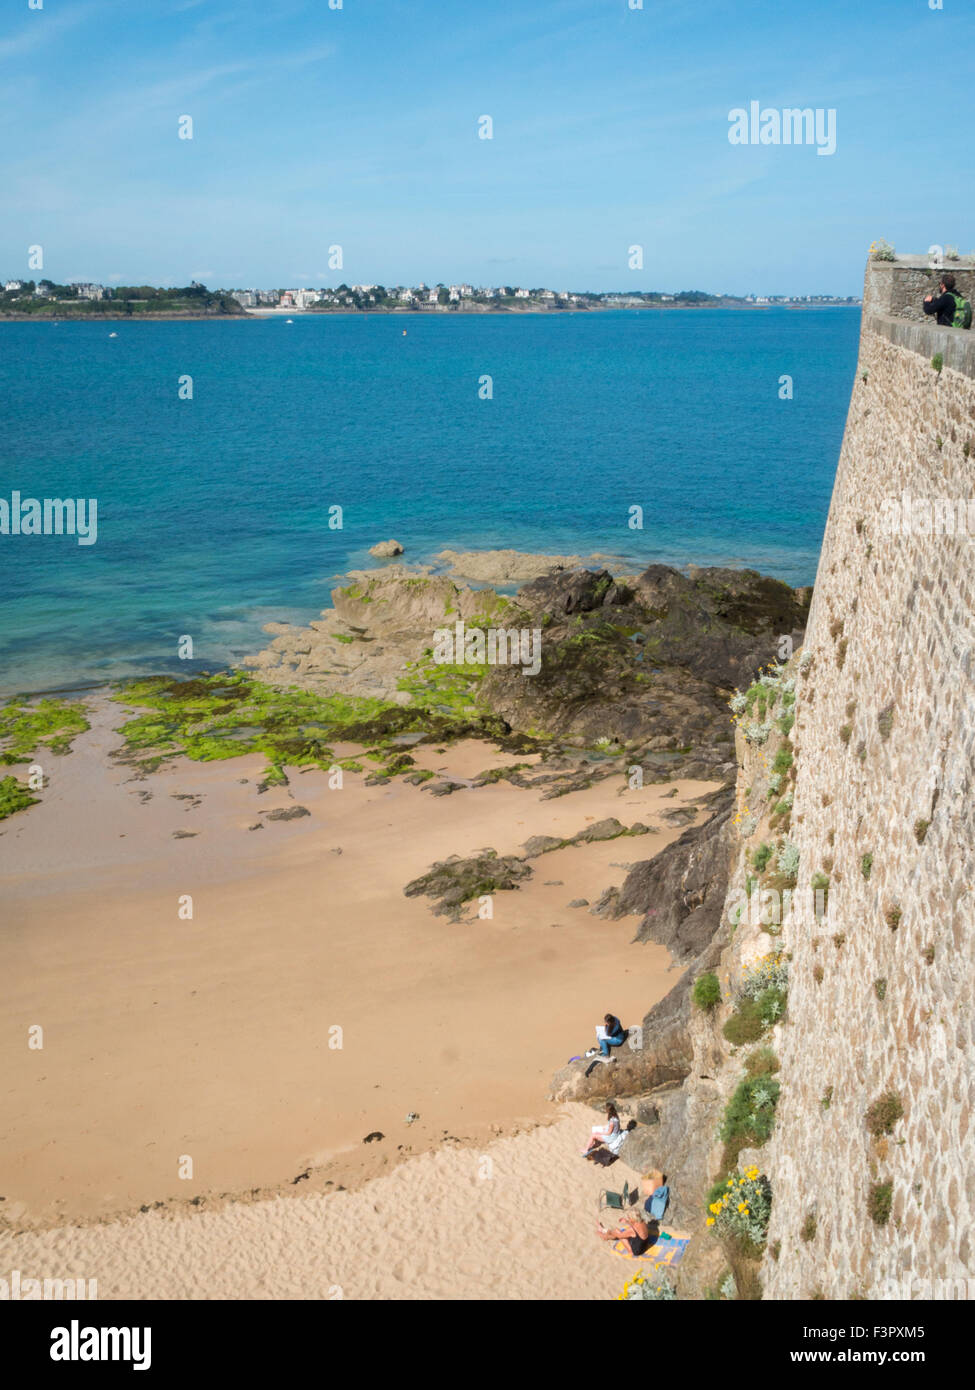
pixel 963 311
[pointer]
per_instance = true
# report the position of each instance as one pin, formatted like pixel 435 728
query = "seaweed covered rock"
pixel 455 881
pixel 648 660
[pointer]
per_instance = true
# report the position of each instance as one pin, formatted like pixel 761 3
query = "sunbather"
pixel 610 1134
pixel 632 1230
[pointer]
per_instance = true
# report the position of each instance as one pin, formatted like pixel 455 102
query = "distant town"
pixel 47 299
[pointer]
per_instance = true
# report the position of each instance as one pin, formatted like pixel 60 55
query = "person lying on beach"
pixel 610 1134
pixel 610 1033
pixel 632 1230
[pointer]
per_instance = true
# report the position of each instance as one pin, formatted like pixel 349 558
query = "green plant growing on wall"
pixel 921 828
pixel 706 992
pixel 846 733
pixel 760 857
pixel 879 1201
pixel 885 721
pixel 826 1099
pixel 938 362
pixel 866 865
pixel 808 1231
pixel 761 1062
pixel 884 1113
pixel 882 250
pixel 892 916
pixel 927 955
pixel 787 861
pixel 880 989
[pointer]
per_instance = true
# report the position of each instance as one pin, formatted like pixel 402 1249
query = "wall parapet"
pixel 955 345
pixel 897 288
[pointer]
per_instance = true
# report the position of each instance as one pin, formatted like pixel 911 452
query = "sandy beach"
pixel 515 1220
pixel 196 1060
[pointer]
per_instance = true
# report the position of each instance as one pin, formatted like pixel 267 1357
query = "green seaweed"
pixel 14 796
pixel 26 726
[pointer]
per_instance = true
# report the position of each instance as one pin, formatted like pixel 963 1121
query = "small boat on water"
pixel 113 335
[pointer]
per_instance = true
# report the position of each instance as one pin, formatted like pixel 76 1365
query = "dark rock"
pixel 541 844
pixel 681 890
pixel 456 881
pixel 607 829
pixel 579 902
pixel 374 1137
pixel 287 813
pixel 606 904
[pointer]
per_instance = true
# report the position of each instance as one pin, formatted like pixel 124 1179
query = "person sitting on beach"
pixel 950 308
pixel 610 1135
pixel 610 1033
pixel 634 1231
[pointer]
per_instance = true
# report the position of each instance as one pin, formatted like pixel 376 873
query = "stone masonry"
pixel 882 986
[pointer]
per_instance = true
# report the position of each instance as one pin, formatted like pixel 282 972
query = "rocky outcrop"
pixel 647 662
pixel 385 550
pixel 455 881
pixel 681 891
pixel 643 663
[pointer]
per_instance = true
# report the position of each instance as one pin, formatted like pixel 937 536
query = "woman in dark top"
pixel 615 1034
pixel 632 1230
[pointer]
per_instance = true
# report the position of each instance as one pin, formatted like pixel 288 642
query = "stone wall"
pixel 898 287
pixel 881 994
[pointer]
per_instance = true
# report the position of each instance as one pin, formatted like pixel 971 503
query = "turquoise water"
pixel 213 512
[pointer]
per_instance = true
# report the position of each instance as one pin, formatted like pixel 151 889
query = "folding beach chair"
pixel 619 1201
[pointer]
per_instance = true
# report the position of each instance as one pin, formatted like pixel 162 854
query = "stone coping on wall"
pixel 956 345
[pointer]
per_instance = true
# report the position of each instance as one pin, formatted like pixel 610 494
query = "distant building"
pixel 287 299
pixel 12 286
pixel 88 291
pixel 522 294
pixel 247 299
pixel 303 298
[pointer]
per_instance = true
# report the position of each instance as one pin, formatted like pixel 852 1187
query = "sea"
pixel 222 455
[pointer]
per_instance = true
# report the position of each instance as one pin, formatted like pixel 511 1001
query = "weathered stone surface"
pixel 892 627
pixel 385 550
pixel 681 891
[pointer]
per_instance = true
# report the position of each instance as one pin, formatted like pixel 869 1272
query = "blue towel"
pixel 656 1204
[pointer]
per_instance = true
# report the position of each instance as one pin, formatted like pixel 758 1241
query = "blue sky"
pixel 358 127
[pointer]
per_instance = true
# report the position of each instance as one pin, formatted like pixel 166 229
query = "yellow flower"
pixel 742 1206
pixel 715 1207
pixel 710 1221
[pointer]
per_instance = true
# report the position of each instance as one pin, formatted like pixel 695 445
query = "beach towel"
pixel 666 1252
pixel 656 1203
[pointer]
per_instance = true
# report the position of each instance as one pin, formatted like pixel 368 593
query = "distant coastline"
pixel 426 311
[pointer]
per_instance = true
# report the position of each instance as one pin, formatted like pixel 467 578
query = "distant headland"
pixel 46 299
